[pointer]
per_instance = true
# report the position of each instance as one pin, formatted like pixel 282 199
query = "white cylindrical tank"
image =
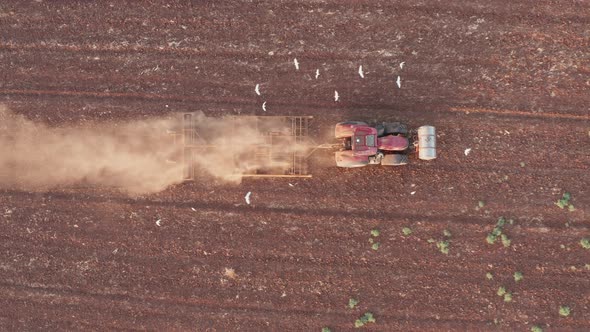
pixel 426 143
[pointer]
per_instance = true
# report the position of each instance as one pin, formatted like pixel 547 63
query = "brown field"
pixel 508 79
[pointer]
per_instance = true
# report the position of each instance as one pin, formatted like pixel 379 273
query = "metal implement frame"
pixel 295 129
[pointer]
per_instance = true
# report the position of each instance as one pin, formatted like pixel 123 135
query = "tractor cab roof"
pixel 364 138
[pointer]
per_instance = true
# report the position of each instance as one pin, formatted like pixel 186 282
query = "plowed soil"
pixel 509 80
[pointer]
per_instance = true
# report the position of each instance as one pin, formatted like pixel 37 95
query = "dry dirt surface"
pixel 509 80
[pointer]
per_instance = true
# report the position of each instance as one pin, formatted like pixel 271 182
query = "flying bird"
pixel 264 106
pixel 361 71
pixel 317 73
pixel 467 151
pixel 257 89
pixel 158 222
pixel 336 97
pixel 296 63
pixel 399 82
pixel 247 197
pixel 401 65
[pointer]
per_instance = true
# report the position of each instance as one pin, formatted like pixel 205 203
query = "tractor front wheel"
pixel 395 128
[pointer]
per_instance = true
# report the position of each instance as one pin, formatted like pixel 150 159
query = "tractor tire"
pixel 346 160
pixel 345 133
pixel 380 130
pixel 352 164
pixel 394 160
pixel 353 123
pixel 395 128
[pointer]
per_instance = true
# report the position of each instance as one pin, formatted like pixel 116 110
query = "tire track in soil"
pixel 204 308
pixel 208 308
pixel 519 113
pixel 180 52
pixel 303 211
pixel 443 302
pixel 249 101
pixel 432 301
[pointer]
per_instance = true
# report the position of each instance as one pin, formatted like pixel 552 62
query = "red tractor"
pixel 386 144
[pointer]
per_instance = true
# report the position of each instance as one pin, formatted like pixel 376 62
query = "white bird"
pixel 336 97
pixel 158 222
pixel 361 71
pixel 401 65
pixel 296 63
pixel 264 106
pixel 467 151
pixel 317 73
pixel 257 89
pixel 247 197
pixel 194 209
pixel 399 82
pixel 412 193
pixel 291 185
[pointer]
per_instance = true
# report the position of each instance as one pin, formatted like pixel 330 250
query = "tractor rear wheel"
pixel 394 160
pixel 395 128
pixel 342 132
pixel 352 163
pixel 360 123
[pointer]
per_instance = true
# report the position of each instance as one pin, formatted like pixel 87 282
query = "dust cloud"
pixel 138 156
pixel 232 146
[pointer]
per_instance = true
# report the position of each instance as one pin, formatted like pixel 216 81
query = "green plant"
pixel 501 291
pixel 498 232
pixel 508 297
pixel 565 202
pixel 491 239
pixel 585 243
pixel 407 231
pixel 326 329
pixel 431 240
pixel 447 233
pixel 352 303
pixel 564 311
pixel 366 318
pixel 489 276
pixel 518 276
pixel 375 246
pixel 505 240
pixel 443 246
pixel 536 328
pixel 375 232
